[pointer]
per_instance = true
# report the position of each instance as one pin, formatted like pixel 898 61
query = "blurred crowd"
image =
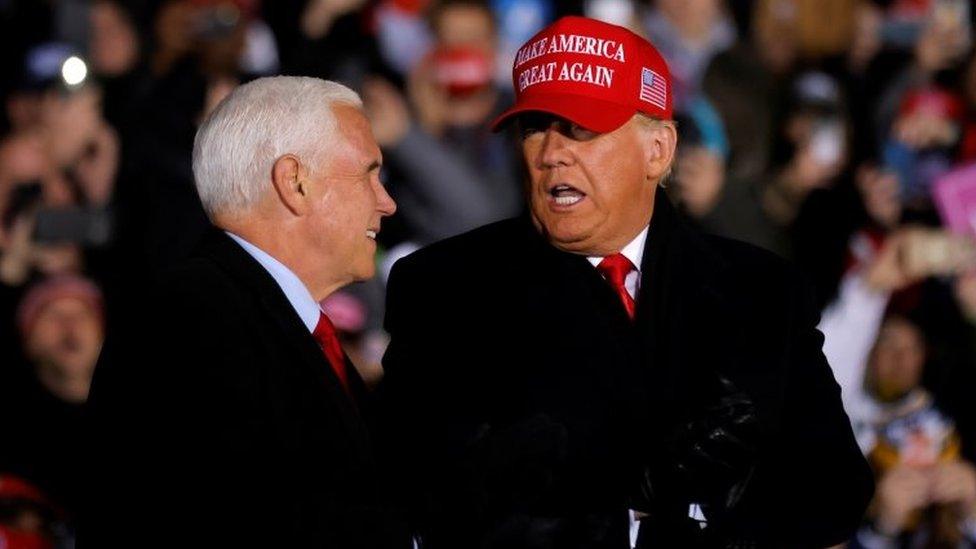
pixel 840 134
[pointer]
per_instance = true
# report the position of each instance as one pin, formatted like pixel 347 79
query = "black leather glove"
pixel 710 457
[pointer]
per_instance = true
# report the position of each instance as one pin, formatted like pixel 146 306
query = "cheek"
pixel 43 335
pixel 91 333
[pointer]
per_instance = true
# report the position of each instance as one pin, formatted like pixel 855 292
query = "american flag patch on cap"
pixel 654 89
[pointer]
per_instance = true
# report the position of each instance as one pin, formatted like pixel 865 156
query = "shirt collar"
pixel 295 291
pixel 634 251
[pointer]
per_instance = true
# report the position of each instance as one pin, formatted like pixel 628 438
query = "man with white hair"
pixel 241 417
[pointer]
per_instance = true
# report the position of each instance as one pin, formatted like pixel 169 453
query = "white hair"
pixel 239 142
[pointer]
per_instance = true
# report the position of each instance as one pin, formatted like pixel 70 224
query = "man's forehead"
pixel 354 128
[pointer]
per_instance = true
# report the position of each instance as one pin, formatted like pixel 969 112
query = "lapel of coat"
pixel 569 293
pixel 294 335
pixel 685 324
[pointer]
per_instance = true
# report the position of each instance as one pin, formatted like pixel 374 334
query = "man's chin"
pixel 571 243
pixel 567 239
pixel 366 273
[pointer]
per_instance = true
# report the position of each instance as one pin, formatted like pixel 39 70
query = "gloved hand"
pixel 710 457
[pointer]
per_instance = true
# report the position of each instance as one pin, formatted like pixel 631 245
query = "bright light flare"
pixel 74 71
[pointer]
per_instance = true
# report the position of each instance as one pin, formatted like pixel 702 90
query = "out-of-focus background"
pixel 840 134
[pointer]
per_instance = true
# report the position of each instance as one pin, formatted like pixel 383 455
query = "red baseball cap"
pixel 593 73
pixel 933 101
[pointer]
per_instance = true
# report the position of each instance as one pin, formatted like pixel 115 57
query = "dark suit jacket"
pixel 217 421
pixel 521 405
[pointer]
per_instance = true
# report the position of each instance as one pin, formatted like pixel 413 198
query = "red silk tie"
pixel 328 340
pixel 615 269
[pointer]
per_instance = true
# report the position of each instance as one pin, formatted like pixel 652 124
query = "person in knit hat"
pixel 61 323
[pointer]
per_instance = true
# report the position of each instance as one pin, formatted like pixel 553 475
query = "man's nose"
pixel 384 202
pixel 555 149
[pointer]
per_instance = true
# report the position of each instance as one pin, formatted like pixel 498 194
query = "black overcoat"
pixel 521 405
pixel 217 421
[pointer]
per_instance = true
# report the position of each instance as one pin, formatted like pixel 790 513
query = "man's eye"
pixel 529 131
pixel 579 133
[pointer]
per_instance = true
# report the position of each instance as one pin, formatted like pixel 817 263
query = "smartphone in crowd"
pixel 934 252
pixel 85 226
pixel 215 20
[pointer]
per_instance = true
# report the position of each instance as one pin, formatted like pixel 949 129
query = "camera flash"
pixel 74 71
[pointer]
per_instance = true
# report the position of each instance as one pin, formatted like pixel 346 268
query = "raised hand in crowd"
pixel 21 255
pixel 215 32
pixel 319 15
pixel 954 484
pixel 943 42
pixel 700 177
pixel 912 253
pixel 429 101
pixel 866 39
pixel 809 169
pixel 387 111
pixel 905 491
pixel 901 492
pixel 95 171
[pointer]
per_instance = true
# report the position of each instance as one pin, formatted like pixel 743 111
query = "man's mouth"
pixel 566 195
pixel 371 233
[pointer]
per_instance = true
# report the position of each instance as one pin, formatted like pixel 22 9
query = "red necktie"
pixel 615 268
pixel 328 340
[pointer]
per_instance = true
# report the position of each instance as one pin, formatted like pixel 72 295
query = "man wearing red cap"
pixel 554 379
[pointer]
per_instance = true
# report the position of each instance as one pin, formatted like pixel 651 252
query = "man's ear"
pixel 661 145
pixel 290 183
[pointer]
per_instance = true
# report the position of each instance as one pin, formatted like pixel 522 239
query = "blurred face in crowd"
pixel 64 343
pixel 592 193
pixel 348 201
pixel 465 25
pixel 692 17
pixel 775 34
pixel 114 43
pixel 897 359
pixel 700 178
pixel 213 30
pixel 453 85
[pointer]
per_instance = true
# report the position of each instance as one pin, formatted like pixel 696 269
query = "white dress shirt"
pixel 635 253
pixel 295 290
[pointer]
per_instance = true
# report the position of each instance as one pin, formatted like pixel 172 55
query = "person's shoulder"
pixel 196 285
pixel 191 275
pixel 743 256
pixel 470 251
pixel 755 273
